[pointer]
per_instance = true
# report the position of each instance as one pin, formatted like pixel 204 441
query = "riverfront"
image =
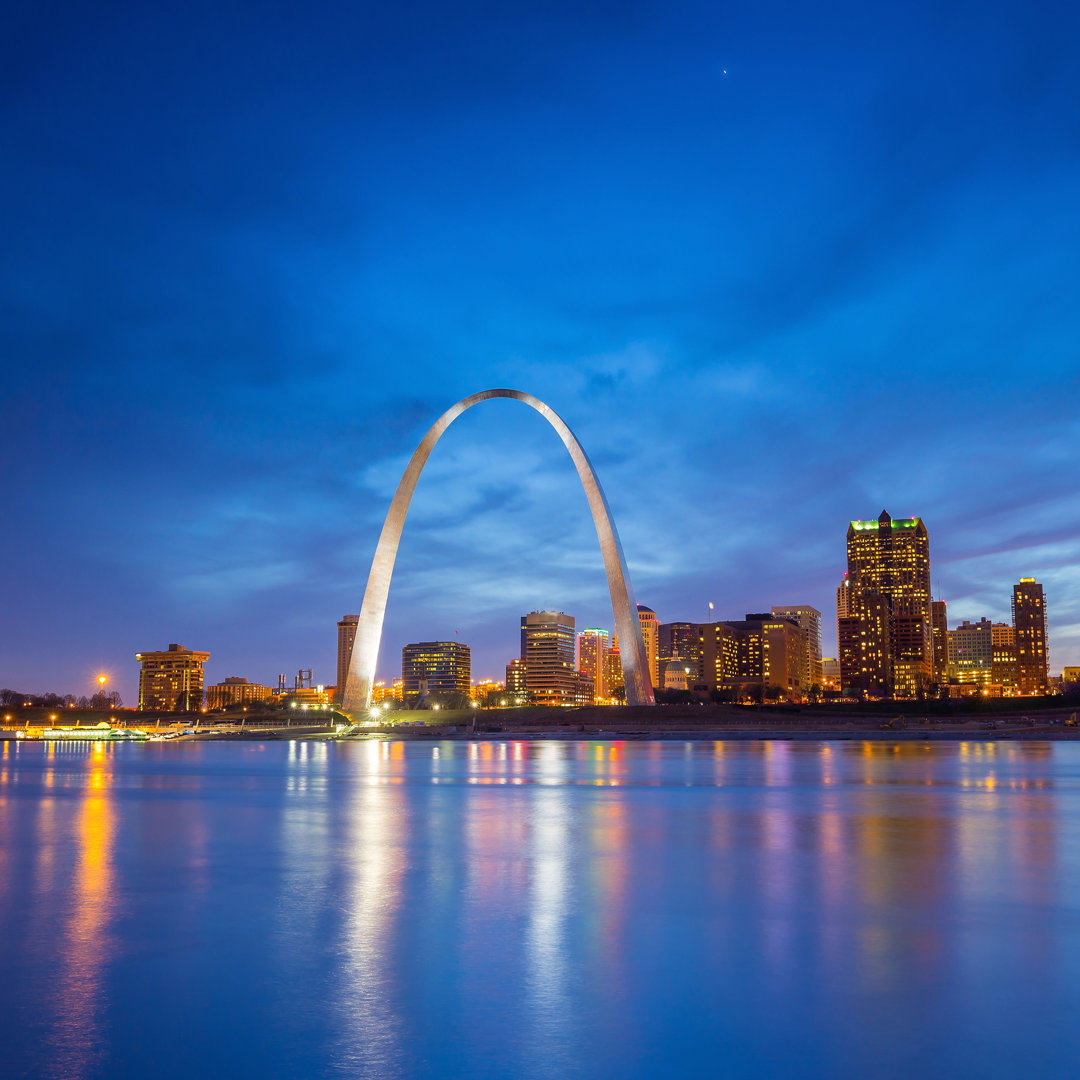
pixel 1041 719
pixel 538 909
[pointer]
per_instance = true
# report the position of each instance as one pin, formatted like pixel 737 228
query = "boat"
pixel 100 733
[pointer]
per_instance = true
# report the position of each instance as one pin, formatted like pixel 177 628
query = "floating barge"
pixel 100 733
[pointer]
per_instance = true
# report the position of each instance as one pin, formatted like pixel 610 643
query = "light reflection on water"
pixel 510 908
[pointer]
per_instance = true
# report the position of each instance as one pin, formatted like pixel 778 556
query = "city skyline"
pixel 766 278
pixel 826 634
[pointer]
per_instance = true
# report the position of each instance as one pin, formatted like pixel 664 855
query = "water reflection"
pixel 77 1009
pixel 516 908
pixel 376 828
pixel 547 983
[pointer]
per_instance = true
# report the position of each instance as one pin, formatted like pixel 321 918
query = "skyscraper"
pixel 971 652
pixel 613 676
pixel 843 599
pixel 548 647
pixel 435 669
pixel 939 640
pixel 1003 664
pixel 1029 623
pixel 649 627
pixel 887 630
pixel 171 680
pixel 593 648
pixel 515 681
pixel 346 635
pixel 807 619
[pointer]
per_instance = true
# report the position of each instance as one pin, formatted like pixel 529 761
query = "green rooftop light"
pixel 897 523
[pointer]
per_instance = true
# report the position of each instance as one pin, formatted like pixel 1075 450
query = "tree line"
pixel 101 700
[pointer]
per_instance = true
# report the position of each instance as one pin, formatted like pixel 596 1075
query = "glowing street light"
pixel 102 680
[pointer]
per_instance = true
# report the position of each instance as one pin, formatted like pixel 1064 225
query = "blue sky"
pixel 777 265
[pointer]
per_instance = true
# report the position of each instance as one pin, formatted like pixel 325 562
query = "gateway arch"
pixel 365 652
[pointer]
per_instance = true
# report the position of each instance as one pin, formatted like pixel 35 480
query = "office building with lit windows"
pixel 593 647
pixel 757 658
pixel 843 599
pixel 886 640
pixel 435 671
pixel 1003 661
pixel 236 691
pixel 971 652
pixel 650 635
pixel 613 674
pixel 515 681
pixel 171 680
pixel 1029 625
pixel 807 619
pixel 346 635
pixel 939 640
pixel 548 647
pixel 865 645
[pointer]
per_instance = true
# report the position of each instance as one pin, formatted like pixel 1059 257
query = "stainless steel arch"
pixel 365 651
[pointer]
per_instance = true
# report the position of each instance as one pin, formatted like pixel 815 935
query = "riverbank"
pixel 1025 720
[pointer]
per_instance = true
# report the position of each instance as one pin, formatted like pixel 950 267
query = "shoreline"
pixel 578 734
pixel 1019 720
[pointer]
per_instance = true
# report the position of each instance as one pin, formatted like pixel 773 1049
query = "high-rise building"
pixel 172 680
pixel 515 681
pixel 1029 623
pixel 889 646
pixel 807 619
pixel 431 670
pixel 235 691
pixel 843 598
pixel 718 655
pixel 844 631
pixel 593 648
pixel 1003 663
pixel 754 658
pixel 971 652
pixel 939 640
pixel 865 645
pixel 548 647
pixel 346 635
pixel 649 633
pixel 613 674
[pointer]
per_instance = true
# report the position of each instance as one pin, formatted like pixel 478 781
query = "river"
pixel 539 909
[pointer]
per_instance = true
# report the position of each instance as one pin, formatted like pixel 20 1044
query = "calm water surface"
pixel 507 909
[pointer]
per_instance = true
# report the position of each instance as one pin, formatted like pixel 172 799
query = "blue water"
pixel 507 909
